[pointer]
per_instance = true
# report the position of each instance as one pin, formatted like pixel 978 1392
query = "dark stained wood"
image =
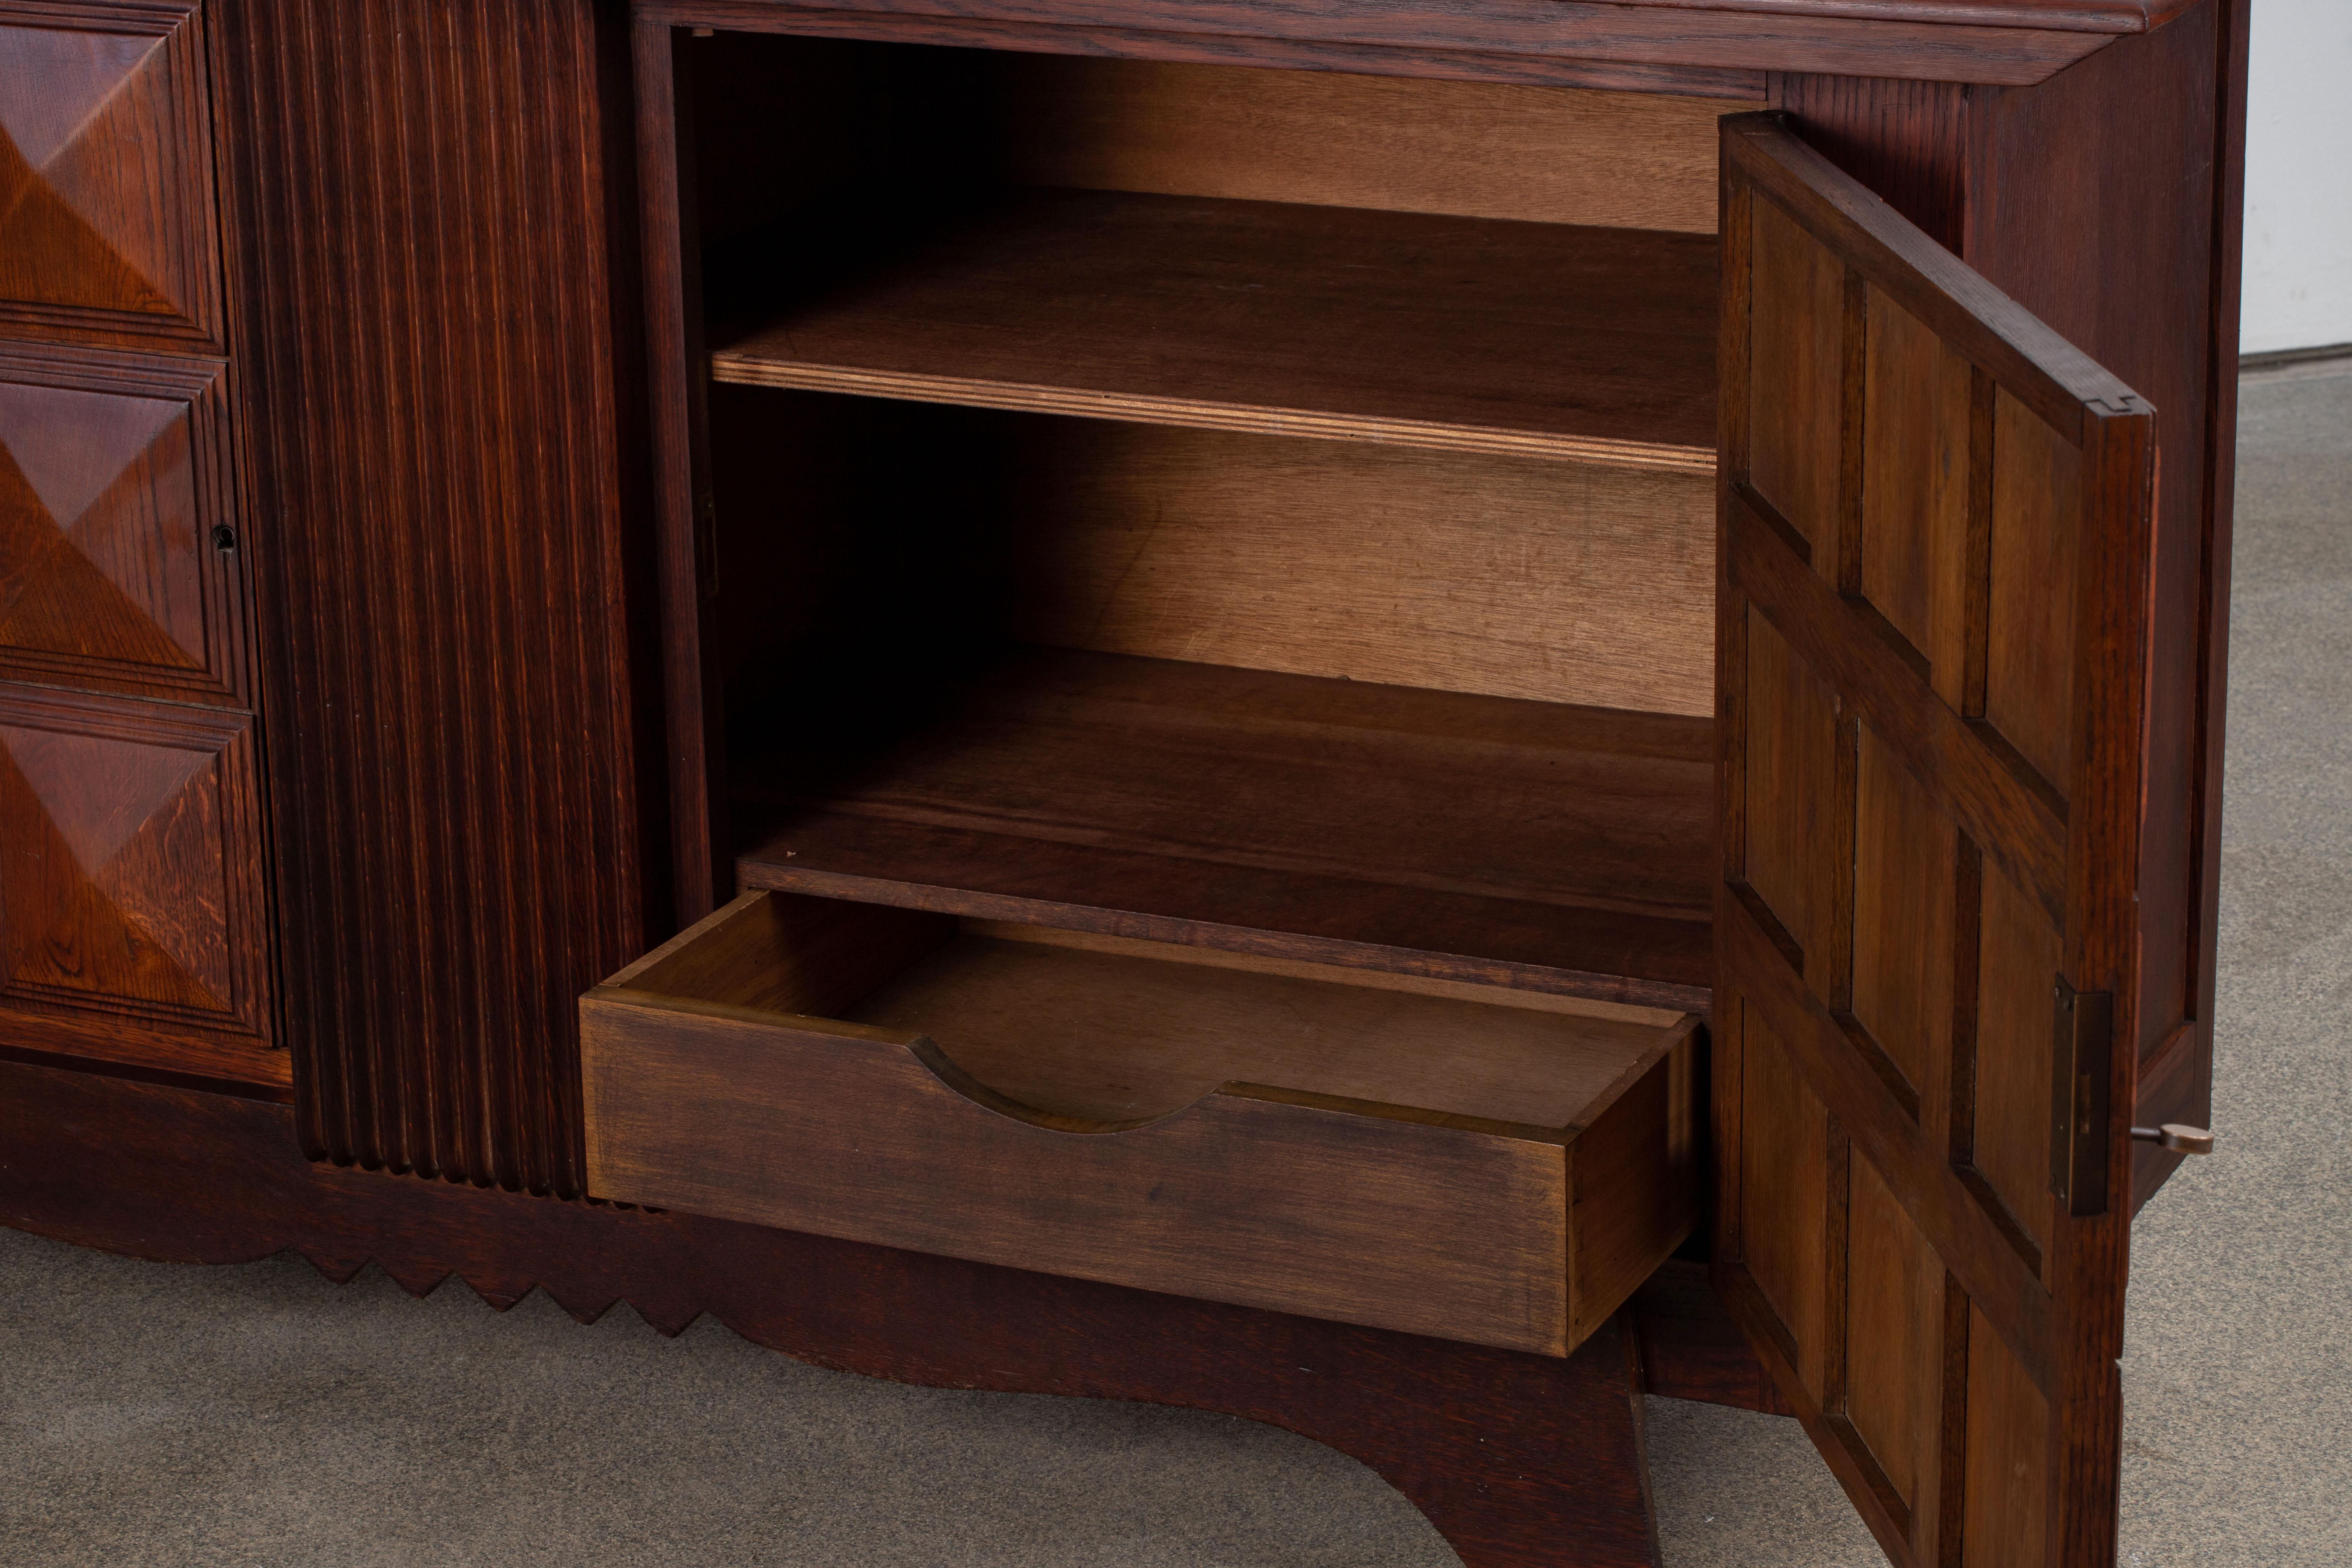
pixel 1691 1348
pixel 1459 333
pixel 2127 244
pixel 132 921
pixel 2186 1094
pixel 1907 141
pixel 2140 291
pixel 107 228
pixel 1306 818
pixel 1416 1161
pixel 114 484
pixel 1518 1460
pixel 1505 39
pixel 425 320
pixel 693 737
pixel 2055 564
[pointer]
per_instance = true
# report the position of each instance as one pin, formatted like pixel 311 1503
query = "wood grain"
pixel 2069 643
pixel 1515 1459
pixel 132 921
pixel 1504 577
pixel 1895 1355
pixel 1370 979
pixel 1792 724
pixel 107 227
pixel 1454 333
pixel 1993 46
pixel 438 474
pixel 2037 501
pixel 1267 1138
pixel 1537 154
pixel 2006 1513
pixel 1906 864
pixel 1794 380
pixel 1255 809
pixel 2020 951
pixel 1130 1035
pixel 114 475
pixel 1915 496
pixel 1784 1196
pixel 1558 583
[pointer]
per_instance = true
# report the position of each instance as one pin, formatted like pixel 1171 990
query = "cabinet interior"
pixel 1263 510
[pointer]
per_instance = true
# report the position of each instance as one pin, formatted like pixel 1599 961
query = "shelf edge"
pixel 744 370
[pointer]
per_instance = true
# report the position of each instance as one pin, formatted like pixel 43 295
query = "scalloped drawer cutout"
pixel 1465 1161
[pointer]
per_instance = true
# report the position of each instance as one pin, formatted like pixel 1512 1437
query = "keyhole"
pixel 223 539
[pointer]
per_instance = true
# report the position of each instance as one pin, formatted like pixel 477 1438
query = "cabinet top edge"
pixel 1704 16
pixel 1572 42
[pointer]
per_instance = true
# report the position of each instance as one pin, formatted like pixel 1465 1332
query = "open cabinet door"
pixel 1936 524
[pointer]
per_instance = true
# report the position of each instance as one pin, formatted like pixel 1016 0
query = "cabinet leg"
pixel 1518 1460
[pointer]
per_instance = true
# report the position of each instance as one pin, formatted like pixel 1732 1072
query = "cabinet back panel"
pixel 1512 577
pixel 1545 154
pixel 782 121
pixel 1506 576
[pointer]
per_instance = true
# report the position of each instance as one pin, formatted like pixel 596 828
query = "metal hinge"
pixel 2082 1050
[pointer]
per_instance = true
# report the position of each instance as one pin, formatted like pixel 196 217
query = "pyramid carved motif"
pixel 89 206
pixel 99 535
pixel 113 884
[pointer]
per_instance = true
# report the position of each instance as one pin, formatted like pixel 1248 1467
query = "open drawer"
pixel 1481 1164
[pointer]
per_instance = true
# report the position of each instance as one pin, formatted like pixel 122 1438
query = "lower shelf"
pixel 1456 1161
pixel 1477 839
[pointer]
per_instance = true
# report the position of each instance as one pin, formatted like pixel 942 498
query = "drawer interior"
pixel 1486 1163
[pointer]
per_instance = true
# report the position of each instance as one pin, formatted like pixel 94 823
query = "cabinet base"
pixel 1517 1459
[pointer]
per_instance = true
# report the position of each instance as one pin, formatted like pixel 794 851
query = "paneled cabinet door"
pixel 106 189
pixel 130 913
pixel 1935 533
pixel 118 560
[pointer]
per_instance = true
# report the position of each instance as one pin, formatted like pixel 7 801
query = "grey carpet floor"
pixel 228 1417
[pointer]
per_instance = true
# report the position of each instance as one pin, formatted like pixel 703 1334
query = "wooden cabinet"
pixel 133 923
pixel 1128 699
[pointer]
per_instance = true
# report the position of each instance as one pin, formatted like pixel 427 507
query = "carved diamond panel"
pixel 109 496
pixel 127 860
pixel 105 190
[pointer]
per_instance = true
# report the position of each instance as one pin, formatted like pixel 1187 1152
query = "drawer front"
pixel 1500 1234
pixel 106 194
pixel 117 563
pixel 131 898
pixel 1307 1208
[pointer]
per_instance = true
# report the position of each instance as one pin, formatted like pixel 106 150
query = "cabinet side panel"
pixel 419 195
pixel 2101 219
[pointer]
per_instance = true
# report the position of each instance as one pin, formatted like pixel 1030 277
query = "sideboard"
pixel 1400 716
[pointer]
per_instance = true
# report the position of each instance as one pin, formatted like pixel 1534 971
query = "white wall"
pixel 2298 277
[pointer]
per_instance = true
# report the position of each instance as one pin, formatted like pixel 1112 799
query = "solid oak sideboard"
pixel 1397 718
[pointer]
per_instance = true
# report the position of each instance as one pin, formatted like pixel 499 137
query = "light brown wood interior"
pixel 1543 155
pixel 1468 571
pixel 1112 1035
pixel 1299 969
pixel 1453 571
pixel 1510 577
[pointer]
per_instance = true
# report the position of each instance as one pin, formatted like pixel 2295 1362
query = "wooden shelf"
pixel 1461 334
pixel 1491 839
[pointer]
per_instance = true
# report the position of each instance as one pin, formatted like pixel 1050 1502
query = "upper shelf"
pixel 1463 334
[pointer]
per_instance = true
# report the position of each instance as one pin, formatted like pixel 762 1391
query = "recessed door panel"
pixel 1932 637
